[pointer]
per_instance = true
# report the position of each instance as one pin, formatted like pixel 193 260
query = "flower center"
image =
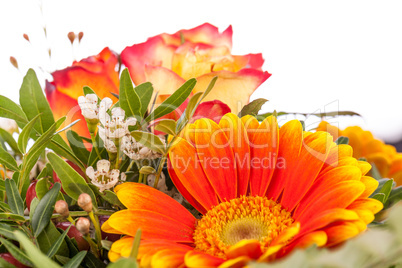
pixel 246 217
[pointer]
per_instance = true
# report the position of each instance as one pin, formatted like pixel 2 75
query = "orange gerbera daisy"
pixel 385 157
pixel 262 191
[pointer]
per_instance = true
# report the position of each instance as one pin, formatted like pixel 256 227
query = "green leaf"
pixel 88 90
pixel 342 140
pixel 193 104
pixel 68 126
pixel 93 262
pixel 128 98
pixel 42 187
pixel 210 87
pixel 124 263
pixel 6 264
pixel 60 147
pixel 253 107
pixel 167 126
pixel 33 102
pixel 36 256
pixel 34 204
pixel 380 197
pixel 14 198
pixel 44 210
pixel 7 137
pixel 47 171
pixel 11 217
pixel 56 245
pixel 77 145
pixel 149 140
pixel 49 237
pixel 73 183
pixel 25 134
pixel 381 183
pixel 7 160
pixel 173 102
pixel 4 207
pixel 395 196
pixel 7 231
pixel 108 196
pixel 76 260
pixel 10 109
pixel 144 92
pixel 374 172
pixel 386 189
pixel 16 252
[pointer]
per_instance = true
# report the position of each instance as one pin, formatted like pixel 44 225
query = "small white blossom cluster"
pixel 136 151
pixel 89 107
pixel 103 177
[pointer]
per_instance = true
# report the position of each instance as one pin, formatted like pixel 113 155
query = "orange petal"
pixel 169 258
pixel 381 161
pixel 336 154
pixel 264 151
pixel 120 245
pixel 108 229
pixel 184 160
pixel 339 233
pixel 153 225
pixel 269 254
pixel 290 141
pixel 367 203
pixel 249 248
pixel 286 234
pixel 364 167
pixel 239 262
pixel 197 259
pixel 371 185
pixel 238 139
pixel 333 130
pixel 244 83
pixel 319 238
pixel 150 246
pixel 312 156
pixel 138 196
pixel 216 157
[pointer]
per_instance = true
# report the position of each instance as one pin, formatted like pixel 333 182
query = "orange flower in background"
pixel 385 157
pixel 167 60
pixel 98 72
pixel 262 192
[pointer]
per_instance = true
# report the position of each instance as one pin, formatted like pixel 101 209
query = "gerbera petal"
pixel 371 185
pixel 312 156
pixel 341 232
pixel 286 235
pixel 333 130
pixel 117 247
pixel 234 128
pixel 335 156
pixel 195 259
pixel 169 258
pixel 239 262
pixel 264 151
pixel 153 225
pixel 319 238
pixel 364 167
pixel 269 254
pixel 138 196
pixel 244 83
pixel 249 248
pixel 216 158
pixel 184 160
pixel 367 203
pixel 290 141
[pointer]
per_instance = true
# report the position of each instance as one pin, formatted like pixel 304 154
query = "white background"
pixel 330 55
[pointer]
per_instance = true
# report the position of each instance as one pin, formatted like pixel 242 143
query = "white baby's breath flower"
pixel 8 125
pixel 89 106
pixel 136 150
pixel 103 177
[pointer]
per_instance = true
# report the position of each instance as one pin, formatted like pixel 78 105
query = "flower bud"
pixel 83 225
pixel 26 37
pixel 61 207
pixel 80 36
pixel 85 202
pixel 71 37
pixel 14 62
pixel 146 170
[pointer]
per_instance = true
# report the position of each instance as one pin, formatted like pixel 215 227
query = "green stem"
pixel 83 213
pixel 160 167
pixel 130 166
pixel 94 144
pixel 98 233
pixel 93 246
pixel 140 178
pixel 118 155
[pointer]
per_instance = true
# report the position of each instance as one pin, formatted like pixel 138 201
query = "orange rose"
pixel 98 72
pixel 167 60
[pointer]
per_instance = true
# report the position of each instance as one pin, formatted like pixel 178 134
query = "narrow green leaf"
pixel 36 256
pixel 68 126
pixel 92 262
pixel 342 140
pixel 44 210
pixel 380 197
pixel 10 109
pixel 73 183
pixel 128 98
pixel 61 259
pixel 56 246
pixel 88 90
pixel 14 198
pixel 149 140
pixel 16 252
pixel 7 231
pixel 34 204
pixel 167 126
pixel 253 107
pixel 395 196
pixel 77 145
pixel 193 104
pixel 60 147
pixel 8 138
pixel 386 189
pixel 381 183
pixel 33 102
pixel 124 263
pixel 76 260
pixel 173 102
pixel 210 87
pixel 4 207
pixel 144 92
pixel 25 134
pixel 47 171
pixel 7 160
pixel 11 217
pixel 108 196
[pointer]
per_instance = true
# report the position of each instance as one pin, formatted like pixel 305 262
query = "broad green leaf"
pixel 4 207
pixel 14 198
pixel 173 101
pixel 49 237
pixel 76 260
pixel 253 107
pixel 10 109
pixel 381 183
pixel 7 160
pixel 56 245
pixel 167 126
pixel 7 231
pixel 11 217
pixel 77 145
pixel 128 98
pixel 16 252
pixel 61 259
pixel 42 187
pixel 44 210
pixel 395 196
pixel 8 138
pixel 47 171
pixel 25 134
pixel 73 183
pixel 380 197
pixel 34 204
pixel 36 256
pixel 33 102
pixel 108 196
pixel 144 92
pixel 386 189
pixel 193 104
pixel 60 147
pixel 149 140
pixel 88 90
pixel 342 140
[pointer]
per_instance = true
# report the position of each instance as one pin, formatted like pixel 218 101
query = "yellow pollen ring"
pixel 246 217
